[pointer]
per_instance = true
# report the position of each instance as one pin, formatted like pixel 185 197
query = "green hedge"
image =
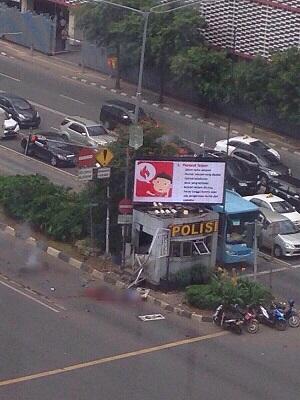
pixel 227 291
pixel 52 209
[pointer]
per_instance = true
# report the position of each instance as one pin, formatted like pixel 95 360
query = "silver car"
pixel 85 132
pixel 280 231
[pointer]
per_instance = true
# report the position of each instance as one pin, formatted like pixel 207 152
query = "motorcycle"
pixel 290 314
pixel 273 317
pixel 250 321
pixel 234 324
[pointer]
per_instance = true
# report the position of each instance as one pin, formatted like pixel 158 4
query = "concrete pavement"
pixel 91 349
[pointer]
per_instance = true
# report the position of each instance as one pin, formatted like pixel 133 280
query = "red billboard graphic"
pixel 179 181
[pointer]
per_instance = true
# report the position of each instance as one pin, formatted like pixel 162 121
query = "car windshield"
pixel 21 104
pixel 286 228
pixel 259 145
pixel 282 207
pixel 236 168
pixel 270 160
pixel 96 130
pixel 236 227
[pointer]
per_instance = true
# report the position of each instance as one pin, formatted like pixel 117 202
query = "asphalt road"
pixel 56 95
pixel 61 345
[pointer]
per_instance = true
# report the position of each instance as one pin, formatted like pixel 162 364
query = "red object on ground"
pixel 86 157
pixel 125 206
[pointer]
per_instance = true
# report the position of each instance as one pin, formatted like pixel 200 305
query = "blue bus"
pixel 233 217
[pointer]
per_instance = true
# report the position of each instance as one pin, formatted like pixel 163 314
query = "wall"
pixel 36 30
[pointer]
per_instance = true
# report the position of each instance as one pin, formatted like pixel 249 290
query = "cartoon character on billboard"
pixel 154 179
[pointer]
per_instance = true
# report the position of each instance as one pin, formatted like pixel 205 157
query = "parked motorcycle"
pixel 273 317
pixel 221 318
pixel 250 321
pixel 290 314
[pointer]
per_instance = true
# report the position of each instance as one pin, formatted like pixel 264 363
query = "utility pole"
pixel 107 221
pixel 255 251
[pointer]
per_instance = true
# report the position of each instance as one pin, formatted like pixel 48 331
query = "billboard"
pixel 179 181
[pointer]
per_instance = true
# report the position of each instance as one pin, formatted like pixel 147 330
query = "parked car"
pixel 275 203
pixel 8 126
pixel 279 231
pixel 49 147
pixel 247 143
pixel 86 132
pixel 117 112
pixel 268 164
pixel 288 188
pixel 239 177
pixel 21 110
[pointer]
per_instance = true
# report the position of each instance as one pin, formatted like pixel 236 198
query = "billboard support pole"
pixel 107 221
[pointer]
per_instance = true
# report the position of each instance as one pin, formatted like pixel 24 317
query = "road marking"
pixel 10 77
pixel 48 108
pixel 38 161
pixel 71 98
pixel 266 272
pixel 52 127
pixel 29 297
pixel 106 360
pixel 269 258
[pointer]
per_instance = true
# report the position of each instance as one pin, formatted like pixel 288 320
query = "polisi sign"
pixel 194 228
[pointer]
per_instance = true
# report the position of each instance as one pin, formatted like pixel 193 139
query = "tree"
pixel 284 84
pixel 111 26
pixel 206 70
pixel 252 79
pixel 170 34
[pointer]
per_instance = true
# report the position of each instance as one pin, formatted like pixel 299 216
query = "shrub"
pixel 222 289
pixel 194 275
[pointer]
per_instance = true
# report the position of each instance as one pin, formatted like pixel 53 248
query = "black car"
pixel 21 110
pixel 50 149
pixel 117 112
pixel 239 177
pixel 288 188
pixel 269 165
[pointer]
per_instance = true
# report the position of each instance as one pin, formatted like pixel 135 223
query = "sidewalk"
pixel 69 64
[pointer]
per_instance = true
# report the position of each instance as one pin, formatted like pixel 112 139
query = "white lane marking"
pixel 37 161
pixel 70 98
pixel 266 272
pixel 29 297
pixel 191 142
pixel 10 77
pixel 47 108
pixel 52 127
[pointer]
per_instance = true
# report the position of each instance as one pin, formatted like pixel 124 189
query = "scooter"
pixel 272 317
pixel 250 321
pixel 220 319
pixel 290 314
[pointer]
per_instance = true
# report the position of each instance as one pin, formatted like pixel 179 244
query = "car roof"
pixel 268 197
pixel 84 121
pixel 272 216
pixel 49 135
pixel 244 139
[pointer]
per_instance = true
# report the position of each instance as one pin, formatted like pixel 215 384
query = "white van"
pixel 8 126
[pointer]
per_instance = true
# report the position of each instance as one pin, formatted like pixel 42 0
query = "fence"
pixel 36 30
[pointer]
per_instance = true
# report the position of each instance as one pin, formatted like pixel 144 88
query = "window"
pixel 97 130
pixel 265 205
pixel 246 156
pixel 77 128
pixel 190 248
pixel 258 202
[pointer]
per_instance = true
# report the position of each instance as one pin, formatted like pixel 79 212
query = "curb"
pixel 103 276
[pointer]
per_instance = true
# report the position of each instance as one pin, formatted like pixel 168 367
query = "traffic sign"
pixel 103 173
pixel 125 206
pixel 85 174
pixel 136 136
pixel 124 219
pixel 86 157
pixel 104 157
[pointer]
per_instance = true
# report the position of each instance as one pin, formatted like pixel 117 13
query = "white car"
pixel 276 203
pixel 247 143
pixel 8 126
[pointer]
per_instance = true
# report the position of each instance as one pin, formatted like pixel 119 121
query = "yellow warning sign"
pixel 104 157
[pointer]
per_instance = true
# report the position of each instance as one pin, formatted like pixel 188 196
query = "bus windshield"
pixel 236 227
